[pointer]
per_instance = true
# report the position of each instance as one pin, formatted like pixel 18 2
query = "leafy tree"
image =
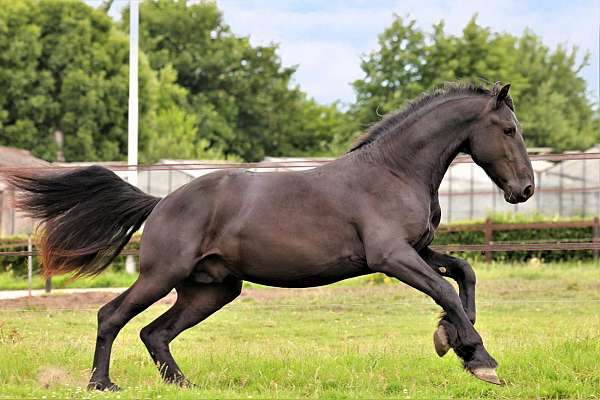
pixel 63 71
pixel 241 95
pixel 168 130
pixel 549 95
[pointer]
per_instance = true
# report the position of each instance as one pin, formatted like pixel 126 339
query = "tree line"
pixel 208 93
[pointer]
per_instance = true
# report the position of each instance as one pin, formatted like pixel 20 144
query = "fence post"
pixel 488 234
pixel 595 236
pixel 29 264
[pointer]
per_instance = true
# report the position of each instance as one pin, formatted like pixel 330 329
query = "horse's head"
pixel 496 144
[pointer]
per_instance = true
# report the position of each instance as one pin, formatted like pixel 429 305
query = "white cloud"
pixel 325 39
pixel 324 80
pixel 326 42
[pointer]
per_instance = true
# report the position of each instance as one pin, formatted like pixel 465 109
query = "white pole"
pixel 132 137
pixel 29 264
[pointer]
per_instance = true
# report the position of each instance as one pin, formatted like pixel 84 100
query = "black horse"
pixel 375 209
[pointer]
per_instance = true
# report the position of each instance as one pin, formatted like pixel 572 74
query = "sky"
pixel 325 39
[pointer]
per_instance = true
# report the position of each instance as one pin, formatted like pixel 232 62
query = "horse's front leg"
pixel 459 270
pixel 463 274
pixel 402 262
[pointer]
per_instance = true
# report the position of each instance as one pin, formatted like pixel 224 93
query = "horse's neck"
pixel 445 154
pixel 425 149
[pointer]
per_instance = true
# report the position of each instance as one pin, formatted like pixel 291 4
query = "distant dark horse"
pixel 375 209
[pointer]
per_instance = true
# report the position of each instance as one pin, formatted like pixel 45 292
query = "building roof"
pixel 291 163
pixel 121 172
pixel 196 167
pixel 13 157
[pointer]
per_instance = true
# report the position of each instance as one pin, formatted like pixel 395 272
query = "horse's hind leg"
pixel 114 315
pixel 195 302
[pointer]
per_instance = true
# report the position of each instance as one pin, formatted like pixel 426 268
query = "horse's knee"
pixel 460 270
pixel 468 273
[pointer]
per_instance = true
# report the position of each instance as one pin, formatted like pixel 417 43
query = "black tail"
pixel 87 216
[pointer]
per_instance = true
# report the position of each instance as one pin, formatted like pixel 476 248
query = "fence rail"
pixel 489 227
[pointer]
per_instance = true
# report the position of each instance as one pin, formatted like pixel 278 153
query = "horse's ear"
pixel 502 95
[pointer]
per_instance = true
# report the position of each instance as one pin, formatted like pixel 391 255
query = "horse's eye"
pixel 509 131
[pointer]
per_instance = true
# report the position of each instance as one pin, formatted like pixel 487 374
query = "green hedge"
pixel 18 264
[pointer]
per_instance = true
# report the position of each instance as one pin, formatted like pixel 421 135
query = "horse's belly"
pixel 304 275
pixel 297 256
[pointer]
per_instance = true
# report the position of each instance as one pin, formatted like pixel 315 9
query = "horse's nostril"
pixel 528 191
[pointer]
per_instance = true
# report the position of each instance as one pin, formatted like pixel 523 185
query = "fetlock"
pixel 445 337
pixel 475 357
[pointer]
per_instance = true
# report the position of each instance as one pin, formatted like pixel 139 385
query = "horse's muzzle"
pixel 514 196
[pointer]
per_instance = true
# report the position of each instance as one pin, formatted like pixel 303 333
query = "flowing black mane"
pixel 392 120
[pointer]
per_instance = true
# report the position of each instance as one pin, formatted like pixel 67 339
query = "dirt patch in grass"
pixel 72 301
pixel 94 299
pixel 80 301
pixel 50 376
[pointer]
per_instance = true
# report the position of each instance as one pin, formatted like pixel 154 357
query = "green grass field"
pixel 356 339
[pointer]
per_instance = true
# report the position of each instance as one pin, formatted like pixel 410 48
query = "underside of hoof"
pixel 440 341
pixel 487 374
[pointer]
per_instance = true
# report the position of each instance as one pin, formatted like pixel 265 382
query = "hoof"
pixel 186 384
pixel 440 341
pixel 103 386
pixel 181 381
pixel 487 375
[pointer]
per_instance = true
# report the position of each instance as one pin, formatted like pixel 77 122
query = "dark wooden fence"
pixel 489 227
